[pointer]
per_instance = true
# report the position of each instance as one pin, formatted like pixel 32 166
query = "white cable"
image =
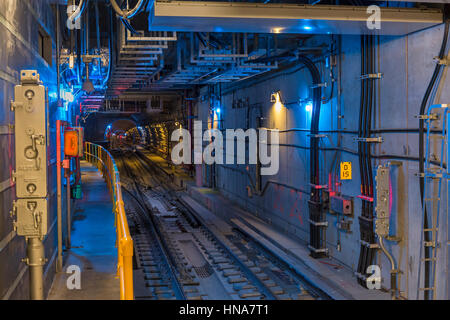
pixel 77 13
pixel 128 13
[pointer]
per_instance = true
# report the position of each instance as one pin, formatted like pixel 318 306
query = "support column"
pixel 59 261
pixel 36 260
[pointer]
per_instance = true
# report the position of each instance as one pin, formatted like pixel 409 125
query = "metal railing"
pixel 102 159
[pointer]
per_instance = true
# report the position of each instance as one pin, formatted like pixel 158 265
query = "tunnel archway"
pixel 119 126
pixel 96 125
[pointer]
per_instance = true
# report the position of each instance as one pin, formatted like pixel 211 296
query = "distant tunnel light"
pixel 307 27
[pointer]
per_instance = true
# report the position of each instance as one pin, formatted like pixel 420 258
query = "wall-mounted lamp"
pixel 275 98
pixel 308 106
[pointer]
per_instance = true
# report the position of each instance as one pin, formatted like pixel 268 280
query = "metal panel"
pixel 286 18
pixel 30 108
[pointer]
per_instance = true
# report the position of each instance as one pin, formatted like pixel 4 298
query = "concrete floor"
pixel 93 244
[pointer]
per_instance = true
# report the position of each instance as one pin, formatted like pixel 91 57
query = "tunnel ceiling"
pixel 202 16
pixel 122 125
pixel 185 50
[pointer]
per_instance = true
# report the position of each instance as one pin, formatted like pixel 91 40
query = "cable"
pixel 78 11
pixel 367 103
pixel 315 203
pixel 127 14
pixel 423 107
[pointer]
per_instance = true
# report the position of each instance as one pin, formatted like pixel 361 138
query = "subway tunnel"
pixel 212 150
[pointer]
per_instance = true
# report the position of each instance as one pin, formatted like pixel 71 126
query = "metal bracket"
pixel 393 238
pixel 369 139
pixel 319 85
pixel 318 224
pixel 318 186
pixel 360 276
pixel 371 76
pixel 369 245
pixel 15 105
pixel 432 116
pixel 317 135
pixel 444 61
pixel 322 250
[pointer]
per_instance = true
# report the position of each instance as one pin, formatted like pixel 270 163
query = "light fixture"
pixel 309 106
pixel 307 27
pixel 218 110
pixel 68 96
pixel 277 30
pixel 275 97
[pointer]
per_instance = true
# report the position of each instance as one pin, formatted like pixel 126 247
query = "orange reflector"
pixel 71 143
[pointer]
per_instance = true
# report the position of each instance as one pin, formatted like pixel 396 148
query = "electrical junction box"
pixel 71 143
pixel 342 205
pixel 31 217
pixel 382 201
pixel 30 107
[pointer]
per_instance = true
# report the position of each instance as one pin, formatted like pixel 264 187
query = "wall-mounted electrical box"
pixel 342 205
pixel 31 217
pixel 30 106
pixel 382 197
pixel 30 129
pixel 74 142
pixel 71 143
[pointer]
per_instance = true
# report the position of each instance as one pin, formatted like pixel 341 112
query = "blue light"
pixel 68 96
pixel 307 28
pixel 308 106
pixel 53 95
pixel 218 110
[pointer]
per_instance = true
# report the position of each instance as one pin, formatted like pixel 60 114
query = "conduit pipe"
pixel 393 267
pixel 127 14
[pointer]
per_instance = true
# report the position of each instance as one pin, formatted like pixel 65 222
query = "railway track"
pixel 183 258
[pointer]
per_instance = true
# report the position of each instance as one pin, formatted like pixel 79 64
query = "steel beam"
pixel 202 16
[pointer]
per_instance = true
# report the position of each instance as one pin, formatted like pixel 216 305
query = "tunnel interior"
pixel 309 128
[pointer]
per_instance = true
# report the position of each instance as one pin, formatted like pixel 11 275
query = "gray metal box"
pixel 382 205
pixel 31 217
pixel 31 141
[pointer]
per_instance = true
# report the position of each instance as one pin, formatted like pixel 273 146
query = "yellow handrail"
pixel 103 160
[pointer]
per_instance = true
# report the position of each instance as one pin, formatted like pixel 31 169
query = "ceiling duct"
pixel 201 16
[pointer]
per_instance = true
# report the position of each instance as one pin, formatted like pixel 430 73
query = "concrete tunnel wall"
pixel 18 51
pixel 407 64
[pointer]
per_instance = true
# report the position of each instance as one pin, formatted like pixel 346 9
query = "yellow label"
pixel 346 170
